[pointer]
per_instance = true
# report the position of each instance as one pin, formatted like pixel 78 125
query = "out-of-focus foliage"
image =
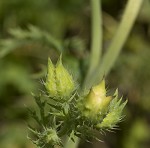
pixel 66 24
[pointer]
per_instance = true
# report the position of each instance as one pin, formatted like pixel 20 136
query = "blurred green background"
pixel 32 30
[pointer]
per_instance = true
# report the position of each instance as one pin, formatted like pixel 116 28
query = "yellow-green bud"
pixel 96 102
pixel 59 83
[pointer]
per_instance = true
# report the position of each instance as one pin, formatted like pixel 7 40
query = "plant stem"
pixel 96 44
pixel 130 14
pixel 96 37
pixel 70 144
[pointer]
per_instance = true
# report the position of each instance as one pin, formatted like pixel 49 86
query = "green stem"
pixel 70 144
pixel 96 37
pixel 96 44
pixel 130 14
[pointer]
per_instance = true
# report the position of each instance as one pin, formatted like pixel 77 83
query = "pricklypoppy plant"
pixel 71 113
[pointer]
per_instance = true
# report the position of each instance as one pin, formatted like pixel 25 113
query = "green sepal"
pixel 64 81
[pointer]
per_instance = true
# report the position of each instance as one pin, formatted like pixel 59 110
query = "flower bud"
pixel 59 82
pixel 96 102
pixel 52 138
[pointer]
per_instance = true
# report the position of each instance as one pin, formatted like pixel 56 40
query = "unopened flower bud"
pixel 59 83
pixel 96 102
pixel 51 137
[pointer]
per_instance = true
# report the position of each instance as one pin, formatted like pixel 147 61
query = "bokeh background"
pixel 32 30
